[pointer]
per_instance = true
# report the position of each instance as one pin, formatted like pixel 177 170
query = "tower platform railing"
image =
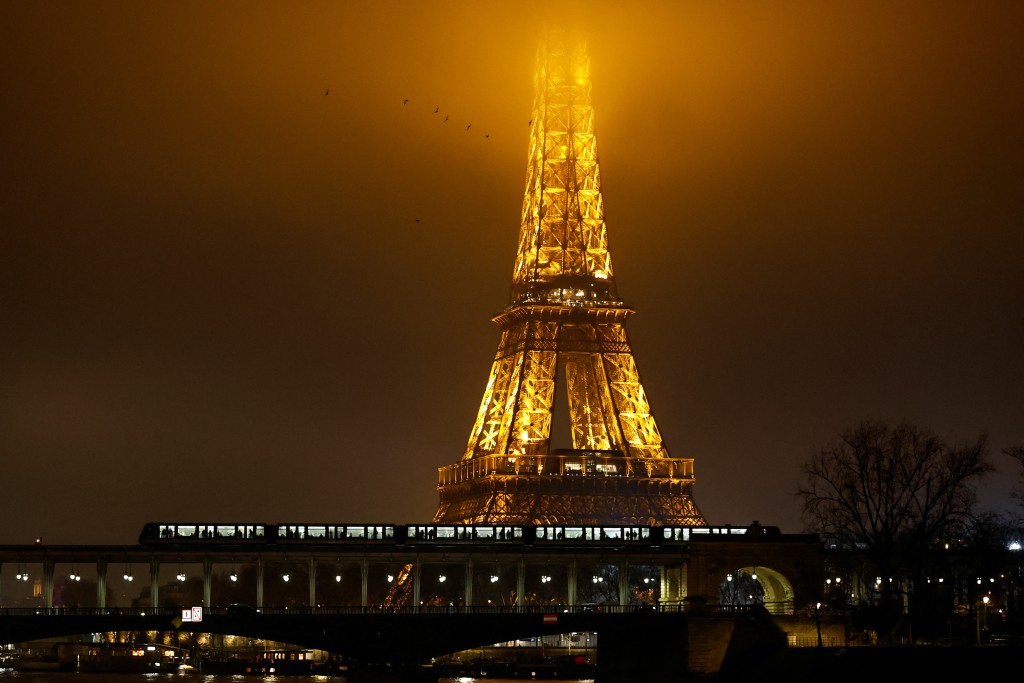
pixel 579 464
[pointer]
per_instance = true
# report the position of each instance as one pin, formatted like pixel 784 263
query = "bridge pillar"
pixel 48 583
pixel 643 648
pixel 571 578
pixel 468 591
pixel 207 582
pixel 259 582
pixel 416 584
pixel 101 583
pixel 521 583
pixel 154 583
pixel 364 577
pixel 623 583
pixel 312 582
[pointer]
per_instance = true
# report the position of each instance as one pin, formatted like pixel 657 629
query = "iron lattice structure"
pixel 564 331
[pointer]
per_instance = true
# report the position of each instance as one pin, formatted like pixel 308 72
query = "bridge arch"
pixel 788 574
pixel 752 585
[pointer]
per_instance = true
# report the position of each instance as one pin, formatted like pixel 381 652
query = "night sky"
pixel 242 281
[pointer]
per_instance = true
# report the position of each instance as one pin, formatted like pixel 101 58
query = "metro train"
pixel 248 534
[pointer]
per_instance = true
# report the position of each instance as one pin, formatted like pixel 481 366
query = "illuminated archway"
pixel 757 585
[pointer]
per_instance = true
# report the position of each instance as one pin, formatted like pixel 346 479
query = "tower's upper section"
pixel 563 255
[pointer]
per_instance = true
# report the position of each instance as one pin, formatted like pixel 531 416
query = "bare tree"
pixel 892 492
pixel 1017 453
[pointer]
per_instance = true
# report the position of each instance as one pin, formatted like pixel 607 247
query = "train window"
pixel 226 531
pixel 316 532
pixel 500 533
pixel 444 532
pixel 611 532
pixel 571 532
pixel 355 532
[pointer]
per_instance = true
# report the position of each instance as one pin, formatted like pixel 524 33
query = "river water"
pixel 12 676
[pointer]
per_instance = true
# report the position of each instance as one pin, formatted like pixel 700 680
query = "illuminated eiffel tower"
pixel 564 332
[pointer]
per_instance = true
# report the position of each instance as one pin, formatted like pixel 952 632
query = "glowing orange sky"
pixel 231 295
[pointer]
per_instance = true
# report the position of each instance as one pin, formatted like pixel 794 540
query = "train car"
pixel 201 534
pixel 605 534
pixel 670 535
pixel 434 534
pixel 338 534
pixel 172 533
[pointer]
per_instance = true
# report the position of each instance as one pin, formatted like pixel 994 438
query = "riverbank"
pixel 859 664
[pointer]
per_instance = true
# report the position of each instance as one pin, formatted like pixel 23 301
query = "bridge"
pixel 651 642
pixel 356 590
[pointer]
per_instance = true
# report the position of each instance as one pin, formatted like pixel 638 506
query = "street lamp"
pixel 977 620
pixel 817 620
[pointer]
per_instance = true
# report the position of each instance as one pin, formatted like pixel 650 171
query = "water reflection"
pixel 12 676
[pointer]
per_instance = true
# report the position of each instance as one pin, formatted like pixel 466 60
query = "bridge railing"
pixel 243 610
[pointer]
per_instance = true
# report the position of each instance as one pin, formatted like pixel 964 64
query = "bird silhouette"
pixel 487 135
pixel 445 120
pixel 530 122
pixel 327 93
pixel 435 109
pixel 467 127
pixel 404 102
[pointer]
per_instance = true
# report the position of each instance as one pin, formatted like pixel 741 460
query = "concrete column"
pixel 207 582
pixel 48 583
pixel 416 584
pixel 101 583
pixel 364 577
pixel 154 583
pixel 521 584
pixel 623 584
pixel 571 588
pixel 312 582
pixel 468 592
pixel 259 582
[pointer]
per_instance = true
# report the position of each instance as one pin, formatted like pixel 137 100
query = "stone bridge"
pixel 646 642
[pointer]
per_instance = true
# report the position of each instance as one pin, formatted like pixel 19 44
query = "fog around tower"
pixel 252 250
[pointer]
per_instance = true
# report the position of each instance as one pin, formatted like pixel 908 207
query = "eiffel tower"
pixel 564 333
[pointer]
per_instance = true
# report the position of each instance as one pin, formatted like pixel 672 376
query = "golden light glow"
pixel 565 320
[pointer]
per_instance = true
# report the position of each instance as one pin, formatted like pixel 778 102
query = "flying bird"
pixel 467 127
pixel 404 102
pixel 327 93
pixel 435 109
pixel 445 119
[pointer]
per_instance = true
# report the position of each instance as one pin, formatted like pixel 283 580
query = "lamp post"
pixel 977 619
pixel 984 616
pixel 817 621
